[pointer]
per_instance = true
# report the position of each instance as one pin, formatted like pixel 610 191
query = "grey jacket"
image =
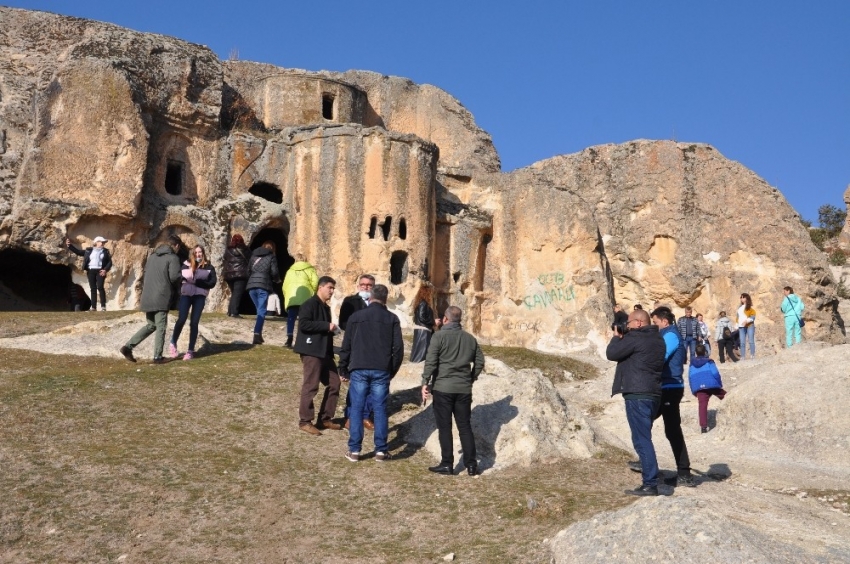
pixel 162 272
pixel 263 270
pixel 453 362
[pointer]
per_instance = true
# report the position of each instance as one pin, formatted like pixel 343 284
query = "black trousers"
pixel 459 405
pixel 726 347
pixel 237 289
pixel 669 412
pixel 96 285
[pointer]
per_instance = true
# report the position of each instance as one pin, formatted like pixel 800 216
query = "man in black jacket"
pixel 640 357
pixel 351 305
pixel 96 263
pixel 314 343
pixel 372 352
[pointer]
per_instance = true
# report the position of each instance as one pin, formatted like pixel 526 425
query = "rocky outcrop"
pixel 133 136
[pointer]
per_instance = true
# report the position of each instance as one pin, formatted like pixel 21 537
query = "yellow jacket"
pixel 300 284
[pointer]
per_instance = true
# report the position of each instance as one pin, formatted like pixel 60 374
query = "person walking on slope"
pixel 264 274
pixel 672 392
pixel 299 285
pixel 705 382
pixel 792 306
pixel 747 326
pixel 162 272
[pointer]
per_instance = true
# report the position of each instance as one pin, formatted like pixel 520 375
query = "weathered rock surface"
pixel 134 136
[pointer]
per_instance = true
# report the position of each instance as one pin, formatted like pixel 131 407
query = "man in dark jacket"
pixel 372 352
pixel 689 331
pixel 452 365
pixel 96 263
pixel 314 343
pixel 162 273
pixel 351 305
pixel 672 391
pixel 639 355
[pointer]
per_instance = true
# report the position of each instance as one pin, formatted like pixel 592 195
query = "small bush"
pixel 837 258
pixel 842 290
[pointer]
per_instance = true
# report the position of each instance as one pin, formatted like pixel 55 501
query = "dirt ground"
pixel 107 461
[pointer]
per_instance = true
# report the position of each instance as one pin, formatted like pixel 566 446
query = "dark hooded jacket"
pixel 263 269
pixel 162 272
pixel 236 263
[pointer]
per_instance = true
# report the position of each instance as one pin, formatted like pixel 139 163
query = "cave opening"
pixel 373 226
pixel 386 227
pixel 280 238
pixel 29 283
pixel 398 267
pixel 328 106
pixel 402 229
pixel 267 191
pixel 174 178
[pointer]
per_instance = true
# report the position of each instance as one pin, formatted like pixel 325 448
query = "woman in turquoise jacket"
pixel 792 306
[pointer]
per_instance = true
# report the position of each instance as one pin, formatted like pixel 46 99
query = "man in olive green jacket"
pixel 162 272
pixel 453 362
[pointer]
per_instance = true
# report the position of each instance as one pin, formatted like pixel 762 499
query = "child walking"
pixel 705 382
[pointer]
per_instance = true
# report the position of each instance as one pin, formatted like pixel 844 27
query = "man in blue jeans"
pixel 688 327
pixel 639 354
pixel 372 352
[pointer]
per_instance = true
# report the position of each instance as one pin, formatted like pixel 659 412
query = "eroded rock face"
pixel 135 136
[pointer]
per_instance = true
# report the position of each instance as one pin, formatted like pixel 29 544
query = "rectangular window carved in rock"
pixel 174 178
pixel 328 106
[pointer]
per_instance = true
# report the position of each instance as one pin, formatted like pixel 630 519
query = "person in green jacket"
pixel 453 362
pixel 792 306
pixel 299 285
pixel 162 272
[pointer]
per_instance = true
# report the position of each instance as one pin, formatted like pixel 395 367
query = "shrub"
pixel 837 258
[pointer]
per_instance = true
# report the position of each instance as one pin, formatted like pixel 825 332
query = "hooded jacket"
pixel 162 272
pixel 792 306
pixel 299 284
pixel 640 357
pixel 672 376
pixel 722 323
pixel 263 269
pixel 703 375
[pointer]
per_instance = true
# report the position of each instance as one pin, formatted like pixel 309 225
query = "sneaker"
pixel 258 339
pixel 382 456
pixel 684 481
pixel 128 353
pixel 643 491
pixel 172 350
pixel 311 429
pixel 703 430
pixel 159 360
pixel 353 456
pixel 189 355
pixel 103 308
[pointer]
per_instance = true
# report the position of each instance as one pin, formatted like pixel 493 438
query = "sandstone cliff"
pixel 134 136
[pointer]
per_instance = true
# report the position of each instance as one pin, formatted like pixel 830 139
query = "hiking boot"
pixel 368 425
pixel 352 456
pixel 329 425
pixel 189 355
pixel 382 456
pixel 258 339
pixel 311 429
pixel 684 481
pixel 643 491
pixel 634 466
pixel 172 350
pixel 128 353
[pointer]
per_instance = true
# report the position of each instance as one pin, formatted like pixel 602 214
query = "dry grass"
pixel 202 462
pixel 558 369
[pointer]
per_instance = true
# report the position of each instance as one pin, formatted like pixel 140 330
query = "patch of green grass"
pixel 553 367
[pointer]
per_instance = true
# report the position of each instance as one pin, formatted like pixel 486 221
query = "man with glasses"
pixel 639 354
pixel 351 305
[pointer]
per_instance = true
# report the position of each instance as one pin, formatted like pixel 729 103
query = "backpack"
pixel 727 333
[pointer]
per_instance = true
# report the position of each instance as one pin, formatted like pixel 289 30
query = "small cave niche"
pixel 280 238
pixel 328 106
pixel 29 283
pixel 456 276
pixel 386 227
pixel 174 177
pixel 267 191
pixel 398 267
pixel 373 227
pixel 402 229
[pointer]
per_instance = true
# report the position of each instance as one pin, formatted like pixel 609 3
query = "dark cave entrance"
pixel 281 240
pixel 30 283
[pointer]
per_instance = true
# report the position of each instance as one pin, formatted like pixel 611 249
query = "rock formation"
pixel 134 136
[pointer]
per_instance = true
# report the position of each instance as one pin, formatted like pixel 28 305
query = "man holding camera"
pixel 638 350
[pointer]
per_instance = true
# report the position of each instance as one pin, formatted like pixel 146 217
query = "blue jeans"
pixel 260 298
pixel 691 345
pixel 367 406
pixel 640 413
pixel 196 303
pixel 291 316
pixel 747 334
pixel 374 383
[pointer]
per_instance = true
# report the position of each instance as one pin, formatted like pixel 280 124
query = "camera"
pixel 620 328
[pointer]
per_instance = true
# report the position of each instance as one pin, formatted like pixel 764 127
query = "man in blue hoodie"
pixel 672 391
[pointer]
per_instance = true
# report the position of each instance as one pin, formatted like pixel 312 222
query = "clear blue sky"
pixel 766 82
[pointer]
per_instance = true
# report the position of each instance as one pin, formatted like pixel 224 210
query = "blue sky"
pixel 766 82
